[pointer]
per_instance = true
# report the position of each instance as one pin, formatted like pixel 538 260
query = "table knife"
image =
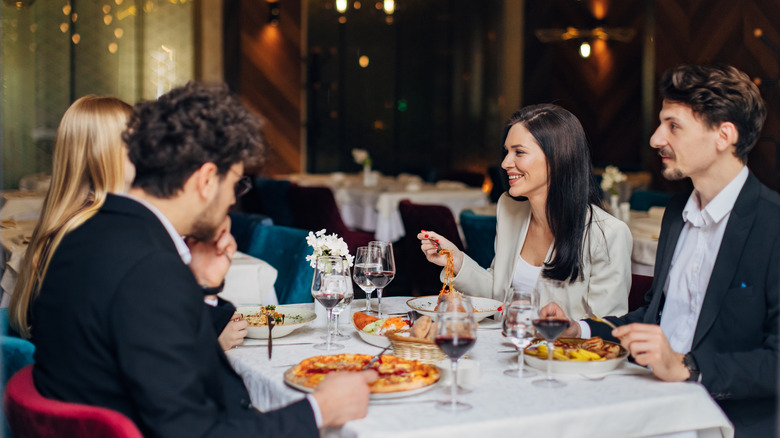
pixel 271 324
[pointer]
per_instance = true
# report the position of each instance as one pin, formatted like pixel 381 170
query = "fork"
pixel 595 317
pixel 438 245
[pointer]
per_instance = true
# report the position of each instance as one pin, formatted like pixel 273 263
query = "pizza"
pixel 395 374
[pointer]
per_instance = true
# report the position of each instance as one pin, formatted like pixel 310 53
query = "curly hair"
pixel 717 94
pixel 170 138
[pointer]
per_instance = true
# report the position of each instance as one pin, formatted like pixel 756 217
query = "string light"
pixel 585 49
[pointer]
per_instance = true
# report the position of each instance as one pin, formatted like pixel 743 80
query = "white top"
pixel 693 260
pixel 525 275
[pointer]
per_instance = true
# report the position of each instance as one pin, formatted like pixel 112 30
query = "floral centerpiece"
pixel 361 157
pixel 327 245
pixel 609 184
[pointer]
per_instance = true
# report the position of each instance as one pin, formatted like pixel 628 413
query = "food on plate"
pixel 593 349
pixel 362 319
pixel 260 318
pixel 447 292
pixel 395 374
pixel 380 326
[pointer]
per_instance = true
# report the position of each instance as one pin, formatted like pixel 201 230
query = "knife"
pixel 271 324
pixel 265 345
pixel 375 358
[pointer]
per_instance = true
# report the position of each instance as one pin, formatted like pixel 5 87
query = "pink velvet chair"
pixel 32 415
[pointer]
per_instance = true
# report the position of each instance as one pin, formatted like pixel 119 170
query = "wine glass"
pixel 519 312
pixel 362 266
pixel 341 306
pixel 551 326
pixel 328 287
pixel 384 268
pixel 456 334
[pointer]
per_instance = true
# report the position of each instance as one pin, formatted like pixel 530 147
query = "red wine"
pixel 380 278
pixel 551 328
pixel 329 301
pixel 454 347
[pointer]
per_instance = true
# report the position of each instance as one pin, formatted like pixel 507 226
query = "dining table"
pixel 374 207
pixel 626 402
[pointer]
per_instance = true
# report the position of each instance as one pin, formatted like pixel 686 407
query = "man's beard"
pixel 669 172
pixel 202 230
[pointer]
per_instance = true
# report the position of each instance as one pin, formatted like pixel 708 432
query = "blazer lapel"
pixel 516 218
pixel 729 254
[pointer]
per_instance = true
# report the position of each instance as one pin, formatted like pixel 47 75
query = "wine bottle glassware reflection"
pixel 384 268
pixel 550 327
pixel 363 265
pixel 328 287
pixel 456 335
pixel 521 308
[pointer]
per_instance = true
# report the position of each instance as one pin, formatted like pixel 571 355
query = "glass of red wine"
pixel 520 309
pixel 551 322
pixel 328 287
pixel 383 263
pixel 456 335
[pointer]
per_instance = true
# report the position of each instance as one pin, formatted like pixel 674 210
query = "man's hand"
pixel 234 332
pixel 649 346
pixel 431 250
pixel 211 260
pixel 553 310
pixel 343 397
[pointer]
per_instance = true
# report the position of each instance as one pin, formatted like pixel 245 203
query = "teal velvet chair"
pixel 480 234
pixel 642 200
pixel 285 249
pixel 17 354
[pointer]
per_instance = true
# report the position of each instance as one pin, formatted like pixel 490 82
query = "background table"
pixel 618 406
pixel 645 228
pixel 250 281
pixel 375 208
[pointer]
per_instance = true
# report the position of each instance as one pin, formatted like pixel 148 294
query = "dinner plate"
pixel 294 318
pixel 576 367
pixel 370 338
pixel 483 307
pixel 373 396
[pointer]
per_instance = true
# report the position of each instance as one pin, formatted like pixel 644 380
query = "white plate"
pixel 302 318
pixel 376 396
pixel 576 367
pixel 483 307
pixel 370 338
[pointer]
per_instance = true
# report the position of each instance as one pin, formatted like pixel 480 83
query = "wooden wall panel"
pixel 263 63
pixel 722 31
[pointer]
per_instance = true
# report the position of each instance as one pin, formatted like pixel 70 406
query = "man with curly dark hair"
pixel 120 320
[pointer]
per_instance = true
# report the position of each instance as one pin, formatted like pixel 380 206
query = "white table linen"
pixel 250 281
pixel 618 406
pixel 375 208
pixel 645 229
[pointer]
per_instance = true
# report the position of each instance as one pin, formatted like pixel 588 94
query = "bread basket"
pixel 423 350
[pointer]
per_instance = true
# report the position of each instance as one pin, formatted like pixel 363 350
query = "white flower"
pixel 361 157
pixel 327 245
pixel 610 178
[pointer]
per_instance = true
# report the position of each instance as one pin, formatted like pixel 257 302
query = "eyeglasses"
pixel 243 185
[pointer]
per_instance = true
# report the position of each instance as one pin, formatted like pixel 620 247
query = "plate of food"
pixel 372 330
pixel 483 307
pixel 397 377
pixel 287 319
pixel 576 356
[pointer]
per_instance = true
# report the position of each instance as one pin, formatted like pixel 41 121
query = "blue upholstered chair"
pixel 242 226
pixel 285 249
pixel 17 354
pixel 642 200
pixel 480 234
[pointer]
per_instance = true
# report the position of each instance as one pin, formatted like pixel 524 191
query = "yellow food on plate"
pixel 593 349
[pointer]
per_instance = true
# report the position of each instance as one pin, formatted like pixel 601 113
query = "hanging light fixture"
pixel 585 49
pixel 341 6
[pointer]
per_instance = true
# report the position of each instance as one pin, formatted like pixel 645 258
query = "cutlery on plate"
pixel 271 324
pixel 376 358
pixel 600 377
pixel 595 317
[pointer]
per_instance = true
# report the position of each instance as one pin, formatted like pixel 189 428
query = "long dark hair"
pixel 572 191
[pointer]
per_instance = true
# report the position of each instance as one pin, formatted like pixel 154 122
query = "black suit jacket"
pixel 736 337
pixel 120 323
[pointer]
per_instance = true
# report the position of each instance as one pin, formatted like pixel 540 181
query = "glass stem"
pixel 368 301
pixel 550 346
pixel 379 301
pixel 330 316
pixel 520 352
pixel 336 324
pixel 454 389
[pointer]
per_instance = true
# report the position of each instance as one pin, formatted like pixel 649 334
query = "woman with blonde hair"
pixel 89 162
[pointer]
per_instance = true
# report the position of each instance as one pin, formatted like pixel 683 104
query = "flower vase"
pixel 367 178
pixel 614 205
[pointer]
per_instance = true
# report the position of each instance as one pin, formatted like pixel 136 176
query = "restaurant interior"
pixel 422 87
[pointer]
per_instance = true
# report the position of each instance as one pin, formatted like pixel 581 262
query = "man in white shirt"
pixel 711 315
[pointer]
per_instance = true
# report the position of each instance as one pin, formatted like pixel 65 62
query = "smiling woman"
pixel 550 222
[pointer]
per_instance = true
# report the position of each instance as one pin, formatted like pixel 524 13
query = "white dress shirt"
pixel 693 260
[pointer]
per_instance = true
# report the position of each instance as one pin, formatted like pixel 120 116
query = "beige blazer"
pixel 606 269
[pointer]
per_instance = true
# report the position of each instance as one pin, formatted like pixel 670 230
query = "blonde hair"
pixel 88 163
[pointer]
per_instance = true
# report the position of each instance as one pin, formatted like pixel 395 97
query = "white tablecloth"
pixel 375 208
pixel 645 228
pixel 250 281
pixel 618 406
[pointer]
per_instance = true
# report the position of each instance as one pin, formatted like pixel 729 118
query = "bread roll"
pixel 421 327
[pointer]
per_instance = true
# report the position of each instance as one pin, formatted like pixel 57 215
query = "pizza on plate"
pixel 395 374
